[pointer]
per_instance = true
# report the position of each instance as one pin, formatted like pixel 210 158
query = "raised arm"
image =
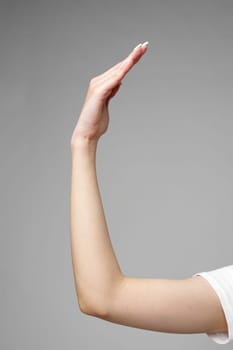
pixel 179 306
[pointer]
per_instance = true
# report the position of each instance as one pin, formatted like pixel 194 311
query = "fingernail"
pixel 145 43
pixel 137 46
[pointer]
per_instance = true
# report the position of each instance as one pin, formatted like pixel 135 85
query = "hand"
pixel 94 117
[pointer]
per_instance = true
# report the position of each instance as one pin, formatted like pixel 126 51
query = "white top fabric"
pixel 222 281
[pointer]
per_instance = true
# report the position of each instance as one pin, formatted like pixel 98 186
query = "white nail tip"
pixel 137 46
pixel 145 43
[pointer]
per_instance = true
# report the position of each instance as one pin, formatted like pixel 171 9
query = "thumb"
pixel 113 92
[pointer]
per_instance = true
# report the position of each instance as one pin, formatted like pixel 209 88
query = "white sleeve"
pixel 222 281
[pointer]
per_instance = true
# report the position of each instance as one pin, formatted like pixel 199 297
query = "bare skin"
pixel 187 305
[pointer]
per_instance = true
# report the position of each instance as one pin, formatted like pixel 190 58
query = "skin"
pixel 187 305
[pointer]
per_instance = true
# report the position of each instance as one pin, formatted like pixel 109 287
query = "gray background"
pixel 164 165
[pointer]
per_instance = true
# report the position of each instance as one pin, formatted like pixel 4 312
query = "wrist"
pixel 83 144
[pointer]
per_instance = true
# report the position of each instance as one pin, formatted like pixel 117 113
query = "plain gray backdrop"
pixel 165 164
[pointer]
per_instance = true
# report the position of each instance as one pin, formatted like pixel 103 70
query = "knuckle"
pixel 93 85
pixel 93 80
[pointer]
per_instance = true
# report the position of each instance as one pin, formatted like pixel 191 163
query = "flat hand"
pixel 94 117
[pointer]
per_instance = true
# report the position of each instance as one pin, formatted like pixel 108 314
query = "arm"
pixel 167 305
pixel 178 306
pixel 95 266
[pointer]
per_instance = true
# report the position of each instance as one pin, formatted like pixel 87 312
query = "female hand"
pixel 94 117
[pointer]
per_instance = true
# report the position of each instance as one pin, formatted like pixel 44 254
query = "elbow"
pixel 85 309
pixel 95 308
pixel 87 304
pixel 99 305
pixel 84 306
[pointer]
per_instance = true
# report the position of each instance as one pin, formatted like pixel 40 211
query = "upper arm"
pixel 167 305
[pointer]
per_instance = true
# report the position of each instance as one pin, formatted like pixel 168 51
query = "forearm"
pixel 95 267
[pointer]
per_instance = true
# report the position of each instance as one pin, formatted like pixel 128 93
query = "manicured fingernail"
pixel 145 43
pixel 137 47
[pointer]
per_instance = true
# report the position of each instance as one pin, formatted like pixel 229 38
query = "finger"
pixel 129 61
pixel 114 76
pixel 137 52
pixel 113 92
pixel 133 58
pixel 110 79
